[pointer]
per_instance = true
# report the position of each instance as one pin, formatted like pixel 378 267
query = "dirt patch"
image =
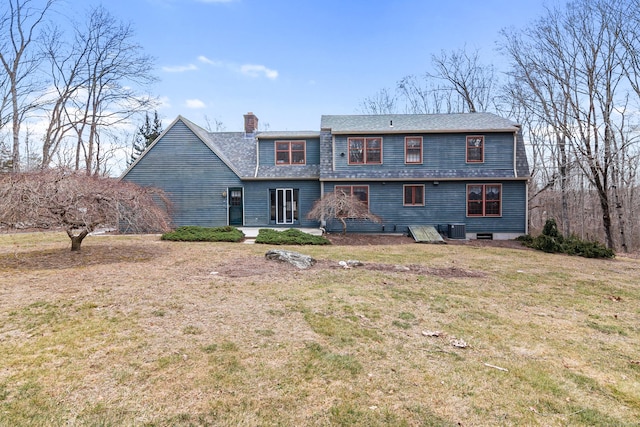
pixel 259 266
pixel 425 271
pixel 356 239
pixel 97 254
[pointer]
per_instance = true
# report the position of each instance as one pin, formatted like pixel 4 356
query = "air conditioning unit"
pixel 457 231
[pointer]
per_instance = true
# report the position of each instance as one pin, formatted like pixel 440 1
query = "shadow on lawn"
pixel 63 258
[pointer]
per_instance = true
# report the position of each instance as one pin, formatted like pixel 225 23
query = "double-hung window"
pixel 484 200
pixel 413 149
pixel 365 151
pixel 359 191
pixel 414 195
pixel 475 149
pixel 290 153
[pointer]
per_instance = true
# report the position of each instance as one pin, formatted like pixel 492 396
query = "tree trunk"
pixel 566 222
pixel 621 220
pixel 606 219
pixel 16 126
pixel 344 226
pixel 76 240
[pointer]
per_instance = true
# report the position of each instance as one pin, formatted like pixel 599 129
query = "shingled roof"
pixel 424 123
pixel 238 149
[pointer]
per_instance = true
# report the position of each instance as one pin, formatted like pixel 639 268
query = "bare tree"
pixel 113 69
pixel 575 69
pixel 5 158
pixel 66 62
pixel 382 102
pixel 342 207
pixel 539 83
pixel 19 23
pixel 464 74
pixel 459 83
pixel 78 203
pixel 214 125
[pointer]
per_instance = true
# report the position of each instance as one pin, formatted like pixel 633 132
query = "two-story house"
pixel 467 171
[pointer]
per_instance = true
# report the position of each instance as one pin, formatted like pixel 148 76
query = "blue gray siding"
pixel 257 201
pixel 445 203
pixel 192 175
pixel 196 167
pixel 440 152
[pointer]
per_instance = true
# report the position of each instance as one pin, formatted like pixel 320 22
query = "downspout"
pixel 515 148
pixel 526 208
pixel 255 175
pixel 526 186
pixel 323 222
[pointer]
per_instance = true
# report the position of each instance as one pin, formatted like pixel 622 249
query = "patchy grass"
pixel 139 331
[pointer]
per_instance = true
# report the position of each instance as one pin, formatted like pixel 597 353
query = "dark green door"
pixel 235 206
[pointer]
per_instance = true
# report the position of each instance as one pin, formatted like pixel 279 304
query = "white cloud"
pixel 180 68
pixel 206 60
pixel 195 104
pixel 253 70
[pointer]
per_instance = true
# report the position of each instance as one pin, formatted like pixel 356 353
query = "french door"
pixel 284 205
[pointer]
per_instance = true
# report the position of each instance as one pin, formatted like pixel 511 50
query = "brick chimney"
pixel 250 123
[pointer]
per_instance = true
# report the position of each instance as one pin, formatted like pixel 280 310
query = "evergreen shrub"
pixel 552 241
pixel 192 233
pixel 291 236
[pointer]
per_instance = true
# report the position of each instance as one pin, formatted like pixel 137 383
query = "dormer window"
pixel 475 149
pixel 365 151
pixel 290 152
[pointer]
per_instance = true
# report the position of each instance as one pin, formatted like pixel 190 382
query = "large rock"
pixel 293 258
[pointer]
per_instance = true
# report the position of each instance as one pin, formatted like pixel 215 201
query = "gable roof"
pixel 238 150
pixel 424 123
pixel 233 148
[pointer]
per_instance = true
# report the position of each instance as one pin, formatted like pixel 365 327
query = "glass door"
pixel 284 205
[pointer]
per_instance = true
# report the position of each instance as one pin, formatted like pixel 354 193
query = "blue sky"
pixel 289 62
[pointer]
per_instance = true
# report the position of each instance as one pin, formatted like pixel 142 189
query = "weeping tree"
pixel 79 204
pixel 342 207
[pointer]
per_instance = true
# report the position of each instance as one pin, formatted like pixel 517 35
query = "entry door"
pixel 235 206
pixel 285 206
